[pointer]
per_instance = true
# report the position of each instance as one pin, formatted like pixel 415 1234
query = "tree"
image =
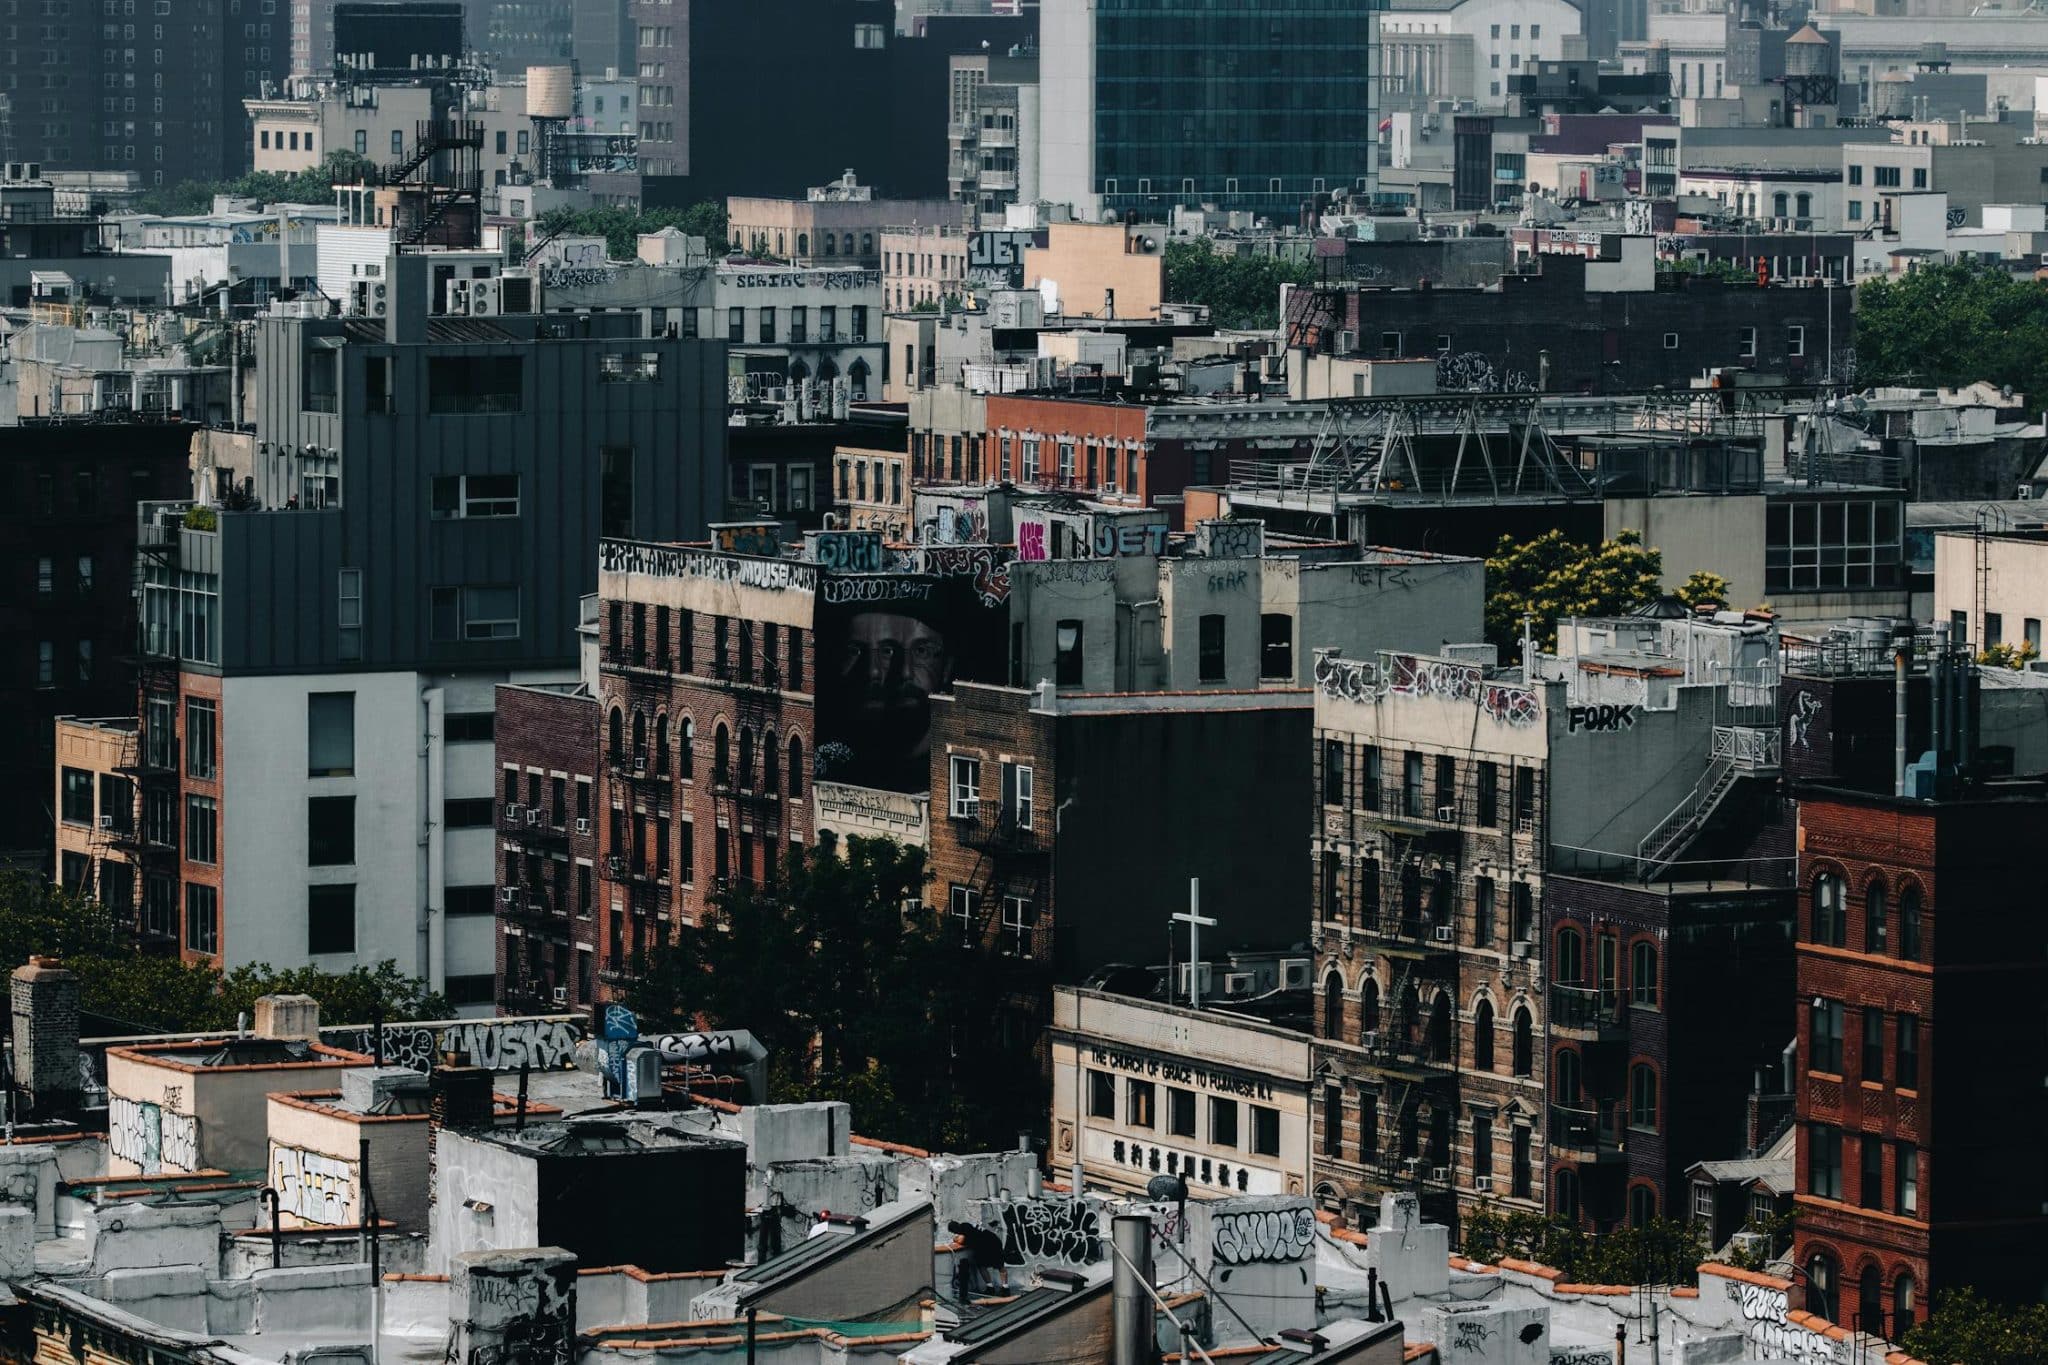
pixel 855 987
pixel 1553 576
pixel 622 228
pixel 315 186
pixel 1704 589
pixel 1954 324
pixel 1965 1329
pixel 1662 1251
pixel 2009 655
pixel 1239 291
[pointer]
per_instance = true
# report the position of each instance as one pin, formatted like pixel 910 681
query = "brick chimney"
pixel 45 998
pixel 291 1017
pixel 459 1099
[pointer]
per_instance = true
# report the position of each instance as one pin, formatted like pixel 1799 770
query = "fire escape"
pixel 535 836
pixel 441 172
pixel 748 794
pixel 1744 746
pixel 149 753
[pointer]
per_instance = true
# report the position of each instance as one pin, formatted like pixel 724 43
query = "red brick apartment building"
pixel 1922 971
pixel 547 827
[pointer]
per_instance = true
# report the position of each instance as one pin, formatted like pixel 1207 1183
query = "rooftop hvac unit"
pixel 1294 973
pixel 512 812
pixel 485 300
pixel 1238 983
pixel 1197 972
pixel 516 294
pixel 561 995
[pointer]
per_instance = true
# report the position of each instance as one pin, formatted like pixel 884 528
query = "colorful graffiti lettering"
pixel 1412 676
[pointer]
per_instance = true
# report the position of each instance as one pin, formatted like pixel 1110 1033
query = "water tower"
pixel 550 103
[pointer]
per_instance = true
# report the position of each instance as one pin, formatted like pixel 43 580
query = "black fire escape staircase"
pixel 442 170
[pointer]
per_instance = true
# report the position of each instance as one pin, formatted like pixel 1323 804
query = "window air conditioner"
pixel 1446 813
pixel 512 811
pixel 582 825
pixel 1483 1184
pixel 106 822
pixel 1443 933
pixel 534 816
pixel 561 995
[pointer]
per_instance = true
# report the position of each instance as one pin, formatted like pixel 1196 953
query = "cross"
pixel 1195 921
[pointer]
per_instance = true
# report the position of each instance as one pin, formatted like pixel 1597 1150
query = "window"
pixel 1872 1058
pixel 330 919
pixel 1222 1123
pixel 331 830
pixel 1020 922
pixel 1482 912
pixel 1482 1037
pixel 1642 1097
pixel 1642 975
pixel 1265 1131
pixel 1333 772
pixel 202 829
pixel 1855 207
pixel 349 614
pixel 1525 800
pixel 1905 1180
pixel 1830 921
pixel 465 496
pixel 467 812
pixel 1824 1036
pixel 330 734
pixel 476 614
pixel 1570 966
pixel 1276 646
pixel 77 798
pixel 1212 667
pixel 1824 1161
pixel 1908 1065
pixel 1369 778
pixel 202 918
pixel 1795 340
pixel 1994 629
pixel 1333 1120
pixel 1870 1172
pixel 469 727
pixel 1671 341
pixel 465 385
pixel 1488 795
pixel 1525 1042
pixel 1412 797
pixel 1138 1104
pixel 1101 1095
pixel 1180 1112
pixel 1017 794
pixel 1874 918
pixel 1855 175
pixel 471 900
pixel 1067 662
pixel 199 738
pixel 1885 177
pixel 965 803
pixel 1909 924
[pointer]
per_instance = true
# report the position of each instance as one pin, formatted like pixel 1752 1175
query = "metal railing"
pixel 1746 747
pixel 1586 1009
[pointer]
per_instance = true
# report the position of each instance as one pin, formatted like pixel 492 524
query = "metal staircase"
pixel 1738 751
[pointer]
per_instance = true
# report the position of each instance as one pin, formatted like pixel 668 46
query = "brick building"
pixel 547 827
pixel 1910 932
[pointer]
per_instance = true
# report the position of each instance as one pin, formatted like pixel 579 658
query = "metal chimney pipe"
pixel 1937 685
pixel 1130 1307
pixel 1899 717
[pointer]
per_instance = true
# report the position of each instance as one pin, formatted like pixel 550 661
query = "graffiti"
pixel 1112 541
pixel 673 561
pixel 135 1133
pixel 537 1312
pixel 1235 539
pixel 1470 1336
pixel 982 563
pixel 1763 1307
pixel 1580 1355
pixel 1267 1235
pixel 1605 719
pixel 750 538
pixel 843 590
pixel 577 276
pixel 964 525
pixel 1344 679
pixel 494 1044
pixel 1073 571
pixel 180 1141
pixel 1046 1230
pixel 1229 582
pixel 1418 677
pixel 1804 708
pixel 313 1187
pixel 1510 705
pixel 1465 372
pixel 1031 541
pixel 847 551
pixel 695 1047
pixel 997 250
pixel 803 279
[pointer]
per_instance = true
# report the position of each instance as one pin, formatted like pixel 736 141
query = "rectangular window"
pixel 467 812
pixel 77 799
pixel 1824 1036
pixel 1067 662
pixel 1138 1104
pixel 1795 340
pixel 1446 786
pixel 331 830
pixel 1906 1179
pixel 1180 1112
pixel 461 385
pixel 1908 1067
pixel 1746 343
pixel 1265 1131
pixel 1870 1171
pixel 1369 778
pixel 1276 647
pixel 463 496
pixel 1101 1095
pixel 349 615
pixel 330 919
pixel 330 734
pixel 965 802
pixel 202 918
pixel 1333 1120
pixel 1488 795
pixel 1333 772
pixel 1020 924
pixel 1222 1123
pixel 1482 912
pixel 1211 648
pixel 1413 799
pixel 202 829
pixel 1873 1044
pixel 1018 794
pixel 469 727
pixel 1525 800
pixel 1824 1161
pixel 476 614
pixel 199 738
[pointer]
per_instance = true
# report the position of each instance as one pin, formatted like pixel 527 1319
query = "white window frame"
pixel 1015 930
pixel 1019 788
pixel 1795 339
pixel 964 788
pixel 1745 343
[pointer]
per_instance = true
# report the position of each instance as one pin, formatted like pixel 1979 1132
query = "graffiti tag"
pixel 983 563
pixel 1414 676
pixel 1047 1230
pixel 1344 679
pixel 1266 1235
pixel 312 1186
pixel 1604 719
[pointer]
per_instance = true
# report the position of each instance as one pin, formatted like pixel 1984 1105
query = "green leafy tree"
pixel 1554 576
pixel 315 186
pixel 1966 1329
pixel 622 227
pixel 1954 324
pixel 2009 655
pixel 1239 291
pixel 1662 1251
pixel 1704 589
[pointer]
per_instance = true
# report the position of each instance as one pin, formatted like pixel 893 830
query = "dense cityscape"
pixel 1100 682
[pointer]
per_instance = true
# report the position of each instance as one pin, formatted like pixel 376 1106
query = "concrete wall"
pixel 469 1169
pixel 398 1160
pixel 1066 80
pixel 228 1104
pixel 1087 261
pixel 1723 535
pixel 891 1271
pixel 1389 602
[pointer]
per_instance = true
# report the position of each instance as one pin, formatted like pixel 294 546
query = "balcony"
pixel 1411 936
pixel 1413 1056
pixel 531 825
pixel 1588 1012
pixel 637 768
pixel 996 827
pixel 1586 1133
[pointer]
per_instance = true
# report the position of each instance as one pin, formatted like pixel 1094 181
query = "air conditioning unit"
pixel 1440 1174
pixel 1521 949
pixel 484 299
pixel 456 299
pixel 1443 933
pixel 639 765
pixel 1294 973
pixel 1446 814
pixel 1370 1040
pixel 582 824
pixel 1198 972
pixel 534 816
pixel 106 822
pixel 1238 983
pixel 1412 1166
pixel 1483 1184
pixel 512 812
pixel 561 995
pixel 615 865
pixel 1525 825
pixel 509 895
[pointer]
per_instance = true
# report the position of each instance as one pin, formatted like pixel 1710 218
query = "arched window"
pixel 831 242
pixel 1441 1043
pixel 1369 1006
pixel 828 370
pixel 1570 968
pixel 639 736
pixel 771 766
pixel 1642 1205
pixel 1830 921
pixel 798 372
pixel 857 375
pixel 1642 974
pixel 796 765
pixel 1870 1299
pixel 661 743
pixel 1909 924
pixel 746 780
pixel 1564 1193
pixel 689 747
pixel 1565 1080
pixel 803 244
pixel 1525 1042
pixel 617 745
pixel 1482 1036
pixel 847 241
pixel 1902 1306
pixel 867 244
pixel 1820 1285
pixel 1642 1096
pixel 1875 920
pixel 721 755
pixel 1333 1006
pixel 1805 205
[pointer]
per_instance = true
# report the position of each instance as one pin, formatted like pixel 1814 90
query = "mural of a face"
pixel 891 665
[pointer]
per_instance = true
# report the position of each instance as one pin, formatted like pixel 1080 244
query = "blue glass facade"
pixel 1246 104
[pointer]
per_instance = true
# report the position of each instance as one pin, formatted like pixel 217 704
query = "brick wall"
pixel 543 735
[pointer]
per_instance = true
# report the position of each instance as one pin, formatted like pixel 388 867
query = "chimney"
pixel 288 1017
pixel 459 1099
pixel 45 997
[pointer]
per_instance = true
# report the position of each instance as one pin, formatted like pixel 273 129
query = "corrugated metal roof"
pixel 1020 1312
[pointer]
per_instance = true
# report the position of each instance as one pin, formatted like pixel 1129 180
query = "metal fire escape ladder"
pixel 1656 851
